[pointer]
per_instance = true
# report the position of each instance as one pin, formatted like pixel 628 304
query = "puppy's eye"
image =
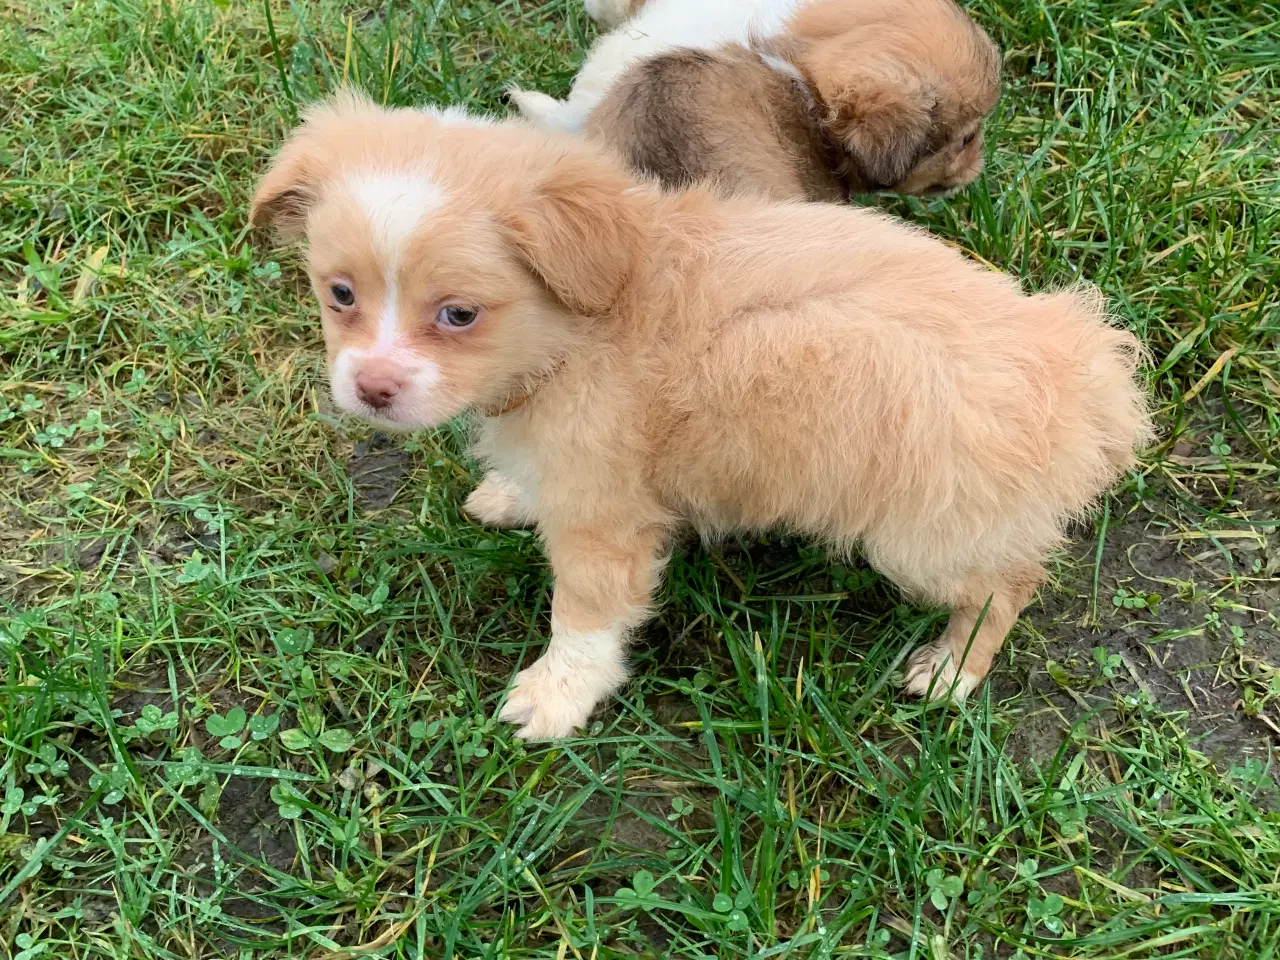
pixel 342 295
pixel 455 316
pixel 969 139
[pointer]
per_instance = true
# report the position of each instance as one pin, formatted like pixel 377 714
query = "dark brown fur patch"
pixel 727 117
pixel 860 96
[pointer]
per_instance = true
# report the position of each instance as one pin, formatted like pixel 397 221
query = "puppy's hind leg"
pixel 956 663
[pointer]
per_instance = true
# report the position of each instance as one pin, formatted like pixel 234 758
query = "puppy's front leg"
pixel 604 582
pixel 956 663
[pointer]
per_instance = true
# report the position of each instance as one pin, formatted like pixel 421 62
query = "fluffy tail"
pixel 1116 418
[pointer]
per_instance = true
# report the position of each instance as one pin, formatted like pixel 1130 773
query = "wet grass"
pixel 251 651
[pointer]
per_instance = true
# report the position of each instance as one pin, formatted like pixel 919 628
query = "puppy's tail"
pixel 1115 418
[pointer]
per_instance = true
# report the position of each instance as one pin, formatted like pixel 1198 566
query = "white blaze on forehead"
pixel 396 206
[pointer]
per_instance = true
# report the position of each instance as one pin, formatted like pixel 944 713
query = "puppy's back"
pixel 938 389
pixel 742 119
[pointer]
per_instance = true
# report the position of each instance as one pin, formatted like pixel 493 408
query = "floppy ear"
pixel 291 186
pixel 580 231
pixel 287 191
pixel 884 118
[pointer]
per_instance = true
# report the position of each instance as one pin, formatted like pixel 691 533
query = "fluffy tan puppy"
pixel 857 96
pixel 646 362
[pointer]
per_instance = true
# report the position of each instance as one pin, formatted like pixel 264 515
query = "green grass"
pixel 245 707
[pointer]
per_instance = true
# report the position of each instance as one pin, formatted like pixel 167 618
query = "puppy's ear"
pixel 287 191
pixel 884 119
pixel 291 186
pixel 580 231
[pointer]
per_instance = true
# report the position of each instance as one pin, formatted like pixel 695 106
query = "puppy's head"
pixel 906 85
pixel 455 260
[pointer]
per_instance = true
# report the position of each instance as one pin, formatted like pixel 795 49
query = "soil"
pixel 1208 650
pixel 250 819
pixel 1203 646
pixel 377 468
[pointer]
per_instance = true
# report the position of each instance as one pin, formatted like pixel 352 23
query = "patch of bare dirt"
pixel 251 820
pixel 1177 608
pixel 377 467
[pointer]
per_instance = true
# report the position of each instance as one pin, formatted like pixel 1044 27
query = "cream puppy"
pixel 646 362
pixel 657 26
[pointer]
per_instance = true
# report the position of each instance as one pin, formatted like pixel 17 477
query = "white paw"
pixel 497 502
pixel 535 106
pixel 608 13
pixel 556 695
pixel 931 672
pixel 566 116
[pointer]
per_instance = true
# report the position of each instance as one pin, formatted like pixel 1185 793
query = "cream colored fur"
pixel 611 13
pixel 721 365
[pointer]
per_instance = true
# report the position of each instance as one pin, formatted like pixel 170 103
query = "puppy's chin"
pixel 951 188
pixel 401 416
pixel 383 421
pixel 921 184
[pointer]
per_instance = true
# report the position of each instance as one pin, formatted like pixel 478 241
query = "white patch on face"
pixel 416 404
pixel 396 206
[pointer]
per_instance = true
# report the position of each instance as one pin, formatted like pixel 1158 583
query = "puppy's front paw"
pixel 931 672
pixel 554 697
pixel 496 502
pixel 608 13
pixel 535 106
